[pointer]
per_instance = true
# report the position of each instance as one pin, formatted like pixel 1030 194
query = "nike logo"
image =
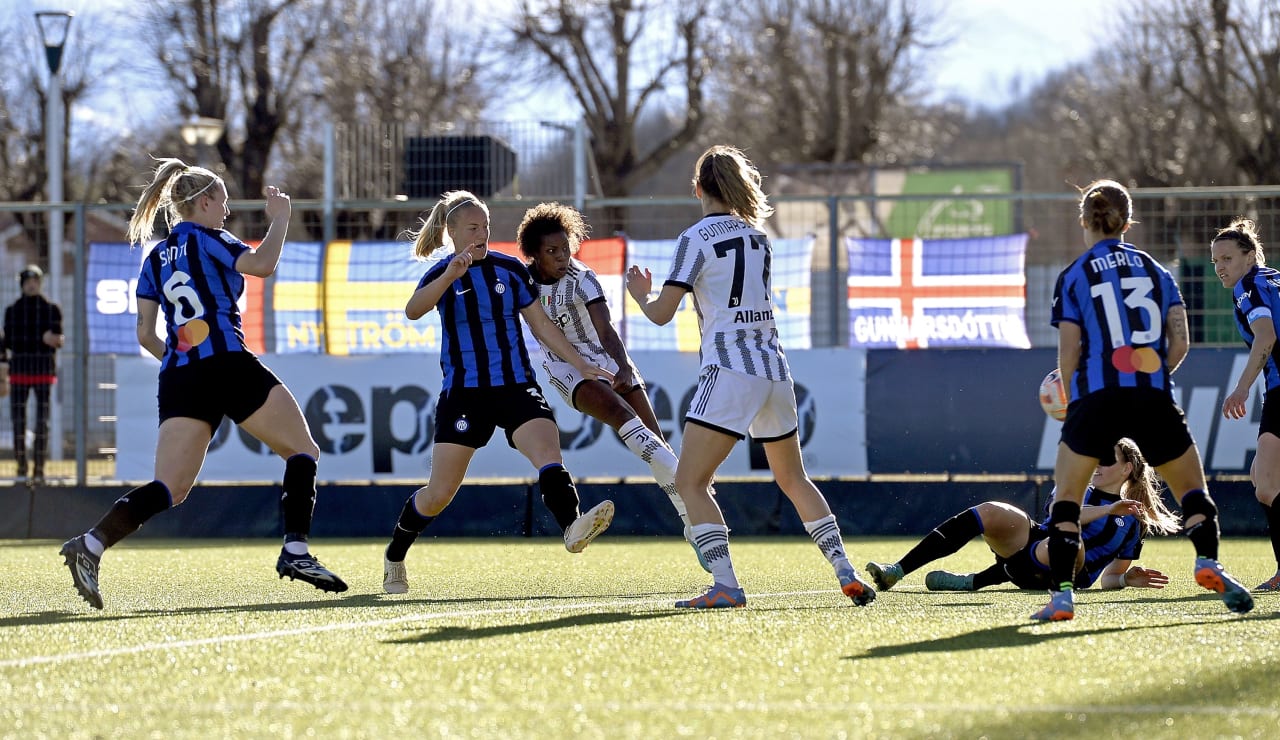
pixel 461 292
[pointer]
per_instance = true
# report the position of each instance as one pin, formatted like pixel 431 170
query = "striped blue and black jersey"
pixel 1120 297
pixel 1257 296
pixel 1105 539
pixel 192 275
pixel 483 342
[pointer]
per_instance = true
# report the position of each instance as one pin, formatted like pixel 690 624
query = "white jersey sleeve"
pixel 567 302
pixel 725 263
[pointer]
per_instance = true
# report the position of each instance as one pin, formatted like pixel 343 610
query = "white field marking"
pixel 702 708
pixel 339 626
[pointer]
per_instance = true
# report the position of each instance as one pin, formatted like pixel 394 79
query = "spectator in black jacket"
pixel 32 335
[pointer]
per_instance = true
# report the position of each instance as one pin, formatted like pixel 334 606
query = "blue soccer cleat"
pixel 716 597
pixel 885 576
pixel 1061 607
pixel 855 588
pixel 1211 575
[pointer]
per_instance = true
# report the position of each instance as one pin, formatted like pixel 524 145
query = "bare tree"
pixel 241 61
pixel 820 80
pixel 1231 72
pixel 617 57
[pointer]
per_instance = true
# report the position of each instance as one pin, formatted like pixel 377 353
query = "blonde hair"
pixel 1244 232
pixel 174 186
pixel 550 218
pixel 432 235
pixel 725 173
pixel 1105 207
pixel 1143 486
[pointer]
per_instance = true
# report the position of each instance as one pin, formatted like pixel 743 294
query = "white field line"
pixel 702 708
pixel 339 626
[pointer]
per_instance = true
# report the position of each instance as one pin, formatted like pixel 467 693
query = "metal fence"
pixel 1174 225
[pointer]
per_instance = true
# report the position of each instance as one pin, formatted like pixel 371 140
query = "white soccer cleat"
pixel 588 527
pixel 395 577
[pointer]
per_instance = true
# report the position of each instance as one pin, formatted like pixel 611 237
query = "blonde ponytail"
pixel 174 187
pixel 431 236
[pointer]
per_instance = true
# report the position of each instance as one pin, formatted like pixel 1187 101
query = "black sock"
pixel 408 527
pixel 1273 527
pixel 946 539
pixel 298 500
pixel 559 494
pixel 1064 544
pixel 992 576
pixel 131 511
pixel 1204 535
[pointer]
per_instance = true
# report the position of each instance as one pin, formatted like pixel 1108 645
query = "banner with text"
pixel 373 418
pixel 936 293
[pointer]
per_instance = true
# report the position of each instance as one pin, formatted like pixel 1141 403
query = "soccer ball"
pixel 1053 396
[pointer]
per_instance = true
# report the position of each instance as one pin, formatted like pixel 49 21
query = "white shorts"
pixel 565 378
pixel 739 404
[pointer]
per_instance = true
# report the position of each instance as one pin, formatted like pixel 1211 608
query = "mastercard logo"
pixel 191 334
pixel 1141 360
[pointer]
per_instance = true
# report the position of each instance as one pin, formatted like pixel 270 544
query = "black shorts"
pixel 1148 416
pixel 1270 413
pixel 1023 569
pixel 233 384
pixel 468 416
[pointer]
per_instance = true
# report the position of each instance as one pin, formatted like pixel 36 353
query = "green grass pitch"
pixel 517 638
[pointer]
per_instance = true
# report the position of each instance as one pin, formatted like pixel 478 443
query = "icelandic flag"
pixel 919 293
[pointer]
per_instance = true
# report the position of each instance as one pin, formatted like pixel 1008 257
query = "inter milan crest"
pixel 462 424
pixel 500 289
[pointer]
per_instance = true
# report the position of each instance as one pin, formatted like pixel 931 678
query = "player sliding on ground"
pixel 1121 507
pixel 1122 332
pixel 488 379
pixel 196 276
pixel 745 385
pixel 550 235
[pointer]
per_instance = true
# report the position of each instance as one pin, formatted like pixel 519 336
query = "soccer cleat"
pixel 941 580
pixel 702 559
pixel 716 597
pixel 855 588
pixel 885 576
pixel 395 577
pixel 1271 585
pixel 1061 607
pixel 84 569
pixel 588 527
pixel 1211 575
pixel 307 569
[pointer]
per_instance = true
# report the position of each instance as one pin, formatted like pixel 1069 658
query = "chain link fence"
pixel 1174 225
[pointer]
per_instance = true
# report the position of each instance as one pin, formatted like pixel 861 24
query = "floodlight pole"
pixel 53 25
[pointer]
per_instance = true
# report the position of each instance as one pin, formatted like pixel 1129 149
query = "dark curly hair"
pixel 550 218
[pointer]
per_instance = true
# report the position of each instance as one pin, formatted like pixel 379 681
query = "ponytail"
pixel 1143 486
pixel 431 236
pixel 173 187
pixel 1105 207
pixel 725 173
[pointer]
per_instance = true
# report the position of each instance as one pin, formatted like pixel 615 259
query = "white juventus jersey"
pixel 725 263
pixel 566 302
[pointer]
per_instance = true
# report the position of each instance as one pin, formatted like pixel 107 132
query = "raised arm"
pixel 261 262
pixel 660 310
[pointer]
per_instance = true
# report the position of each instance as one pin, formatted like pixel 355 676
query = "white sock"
pixel 712 540
pixel 660 458
pixel 297 547
pixel 826 535
pixel 93 544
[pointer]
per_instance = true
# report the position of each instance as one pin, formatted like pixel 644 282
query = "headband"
pixel 459 204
